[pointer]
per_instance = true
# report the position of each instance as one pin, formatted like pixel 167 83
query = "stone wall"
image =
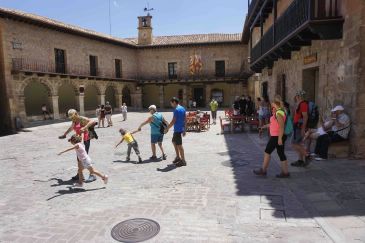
pixel 154 61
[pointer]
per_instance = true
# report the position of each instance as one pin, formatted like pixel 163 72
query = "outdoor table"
pixel 238 119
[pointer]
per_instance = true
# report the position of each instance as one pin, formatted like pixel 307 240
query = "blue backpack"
pixel 288 126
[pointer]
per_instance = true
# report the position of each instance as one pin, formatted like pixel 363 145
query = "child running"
pixel 131 142
pixel 83 160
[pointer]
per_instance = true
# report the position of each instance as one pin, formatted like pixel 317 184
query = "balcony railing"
pixel 297 16
pixel 182 77
pixel 39 66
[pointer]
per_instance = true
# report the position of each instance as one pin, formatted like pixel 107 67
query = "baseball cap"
pixel 338 108
pixel 152 107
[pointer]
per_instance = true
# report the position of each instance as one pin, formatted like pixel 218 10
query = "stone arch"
pixel 91 97
pixel 67 97
pixel 127 95
pixel 111 95
pixel 24 83
pixel 35 95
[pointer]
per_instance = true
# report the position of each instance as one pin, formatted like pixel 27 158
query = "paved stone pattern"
pixel 206 201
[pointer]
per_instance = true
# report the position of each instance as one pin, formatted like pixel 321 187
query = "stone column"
pixel 119 101
pixel 185 96
pixel 81 104
pixel 162 96
pixel 101 99
pixel 56 112
pixel 21 108
pixel 137 99
pixel 208 94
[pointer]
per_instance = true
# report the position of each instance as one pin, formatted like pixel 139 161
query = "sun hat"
pixel 338 108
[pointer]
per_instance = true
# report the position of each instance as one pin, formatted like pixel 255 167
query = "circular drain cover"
pixel 135 230
pixel 235 163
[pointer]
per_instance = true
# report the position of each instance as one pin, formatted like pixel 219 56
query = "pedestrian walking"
pixel 84 161
pixel 179 123
pixel 97 113
pixel 124 110
pixel 131 143
pixel 158 124
pixel 213 109
pixel 80 125
pixel 276 141
pixel 102 115
pixel 108 114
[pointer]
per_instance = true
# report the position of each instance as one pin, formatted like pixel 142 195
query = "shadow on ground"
pixel 325 189
pixel 72 190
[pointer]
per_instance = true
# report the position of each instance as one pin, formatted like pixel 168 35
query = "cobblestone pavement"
pixel 213 199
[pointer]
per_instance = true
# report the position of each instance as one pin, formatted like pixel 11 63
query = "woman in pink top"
pixel 277 140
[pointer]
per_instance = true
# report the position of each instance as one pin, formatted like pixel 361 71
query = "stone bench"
pixel 339 150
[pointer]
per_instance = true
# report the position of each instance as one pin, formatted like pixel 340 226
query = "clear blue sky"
pixel 170 17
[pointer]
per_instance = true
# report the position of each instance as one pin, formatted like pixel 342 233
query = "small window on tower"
pixel 144 22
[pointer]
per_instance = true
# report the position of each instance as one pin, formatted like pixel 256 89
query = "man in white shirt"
pixel 340 132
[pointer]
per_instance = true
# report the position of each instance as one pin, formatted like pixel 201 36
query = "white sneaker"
pixel 320 159
pixel 78 185
pixel 91 178
pixel 106 178
pixel 313 154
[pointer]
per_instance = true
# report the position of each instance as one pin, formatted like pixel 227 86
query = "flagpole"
pixel 110 21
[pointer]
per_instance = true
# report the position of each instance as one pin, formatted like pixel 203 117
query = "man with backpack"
pixel 158 124
pixel 306 116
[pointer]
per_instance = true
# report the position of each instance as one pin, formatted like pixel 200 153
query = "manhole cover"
pixel 135 230
pixel 235 163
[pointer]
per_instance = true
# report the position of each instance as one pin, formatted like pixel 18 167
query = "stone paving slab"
pixel 205 201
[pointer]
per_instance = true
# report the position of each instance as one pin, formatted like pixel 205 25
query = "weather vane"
pixel 148 9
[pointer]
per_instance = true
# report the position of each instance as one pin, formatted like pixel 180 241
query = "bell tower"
pixel 145 30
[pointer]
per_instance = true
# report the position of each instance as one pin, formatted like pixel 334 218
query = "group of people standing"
pixel 302 128
pixel 243 106
pixel 104 112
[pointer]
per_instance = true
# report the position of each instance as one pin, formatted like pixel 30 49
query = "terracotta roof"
pixel 157 40
pixel 191 39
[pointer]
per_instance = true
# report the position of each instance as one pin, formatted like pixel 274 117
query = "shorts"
pixel 86 164
pixel 108 116
pixel 273 144
pixel 177 138
pixel 297 136
pixel 156 138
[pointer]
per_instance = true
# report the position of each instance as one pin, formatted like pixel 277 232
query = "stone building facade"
pixel 326 62
pixel 44 61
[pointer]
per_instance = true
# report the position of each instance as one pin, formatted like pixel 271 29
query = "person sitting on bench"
pixel 340 132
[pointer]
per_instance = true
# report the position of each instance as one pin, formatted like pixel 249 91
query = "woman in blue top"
pixel 155 120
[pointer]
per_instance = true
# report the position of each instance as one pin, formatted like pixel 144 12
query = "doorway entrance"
pixel 310 83
pixel 265 89
pixel 199 97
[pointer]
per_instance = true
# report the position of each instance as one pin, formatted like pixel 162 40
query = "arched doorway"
pixel 66 98
pixel 91 98
pixel 111 96
pixel 36 94
pixel 127 96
